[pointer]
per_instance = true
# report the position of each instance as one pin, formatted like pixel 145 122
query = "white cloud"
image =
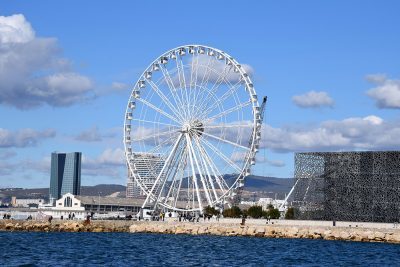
pixel 112 157
pixel 239 157
pixel 218 67
pixel 15 29
pixel 376 78
pixel 32 72
pixel 94 135
pixel 276 163
pixel 24 137
pixel 387 92
pixel 6 154
pixel 7 168
pixel 368 133
pixel 109 163
pixel 118 86
pixel 313 99
pixel 211 70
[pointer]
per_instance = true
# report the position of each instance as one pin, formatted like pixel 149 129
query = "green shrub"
pixel 233 212
pixel 210 211
pixel 289 214
pixel 255 212
pixel 274 214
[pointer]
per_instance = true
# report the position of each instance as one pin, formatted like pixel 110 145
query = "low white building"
pixel 68 206
pixel 265 202
pixel 101 207
pixel 25 203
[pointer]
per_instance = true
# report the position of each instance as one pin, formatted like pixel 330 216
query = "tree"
pixel 271 212
pixel 210 211
pixel 274 214
pixel 233 212
pixel 255 212
pixel 289 214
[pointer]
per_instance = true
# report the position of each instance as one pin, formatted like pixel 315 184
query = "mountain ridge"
pixel 262 186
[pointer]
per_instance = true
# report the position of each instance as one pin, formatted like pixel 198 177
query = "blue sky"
pixel 331 71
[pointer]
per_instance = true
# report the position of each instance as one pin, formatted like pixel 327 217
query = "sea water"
pixel 125 249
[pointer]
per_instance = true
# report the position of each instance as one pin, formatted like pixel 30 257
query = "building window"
pixel 67 202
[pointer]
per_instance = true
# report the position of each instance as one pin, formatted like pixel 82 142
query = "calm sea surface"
pixel 123 249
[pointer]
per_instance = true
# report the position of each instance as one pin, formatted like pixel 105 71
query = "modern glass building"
pixel 65 174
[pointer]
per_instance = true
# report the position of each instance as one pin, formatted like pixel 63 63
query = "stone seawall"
pixel 65 226
pixel 212 228
pixel 270 231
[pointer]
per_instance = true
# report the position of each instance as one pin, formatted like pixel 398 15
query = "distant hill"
pixel 262 186
pixel 101 189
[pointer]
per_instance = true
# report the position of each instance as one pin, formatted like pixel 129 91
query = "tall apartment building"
pixel 147 168
pixel 65 174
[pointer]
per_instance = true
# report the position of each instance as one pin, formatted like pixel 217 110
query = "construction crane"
pixel 240 184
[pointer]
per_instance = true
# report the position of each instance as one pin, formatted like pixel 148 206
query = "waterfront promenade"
pixel 350 231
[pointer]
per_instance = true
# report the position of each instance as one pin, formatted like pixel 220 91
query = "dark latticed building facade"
pixel 347 186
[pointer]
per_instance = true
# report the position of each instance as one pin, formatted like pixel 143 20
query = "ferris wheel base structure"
pixel 188 122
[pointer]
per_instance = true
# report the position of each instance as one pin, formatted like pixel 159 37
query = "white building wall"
pixel 25 202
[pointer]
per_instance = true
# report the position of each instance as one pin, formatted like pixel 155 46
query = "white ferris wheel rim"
pixel 253 144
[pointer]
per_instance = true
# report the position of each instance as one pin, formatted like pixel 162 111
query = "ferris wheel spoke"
pixel 156 122
pixel 220 100
pixel 154 135
pixel 217 175
pixel 222 156
pixel 223 125
pixel 178 190
pixel 150 194
pixel 205 187
pixel 169 170
pixel 184 165
pixel 188 143
pixel 182 81
pixel 207 72
pixel 205 100
pixel 192 86
pixel 204 81
pixel 158 110
pixel 165 99
pixel 203 156
pixel 226 112
pixel 172 88
pixel 177 174
pixel 196 86
pixel 226 141
pixel 161 144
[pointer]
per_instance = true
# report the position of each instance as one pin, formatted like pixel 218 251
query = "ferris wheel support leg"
pixel 206 168
pixel 177 161
pixel 193 172
pixel 215 173
pixel 162 170
pixel 201 175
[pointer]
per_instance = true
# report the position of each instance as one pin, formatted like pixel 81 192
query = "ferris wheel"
pixel 192 129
